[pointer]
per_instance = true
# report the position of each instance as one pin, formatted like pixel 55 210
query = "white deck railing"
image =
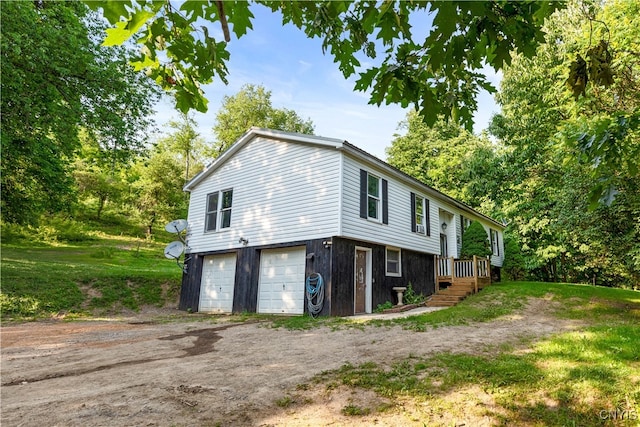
pixel 476 267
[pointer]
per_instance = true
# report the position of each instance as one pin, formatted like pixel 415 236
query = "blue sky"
pixel 301 78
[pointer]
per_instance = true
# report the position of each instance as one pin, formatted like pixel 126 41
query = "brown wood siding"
pixel 245 297
pixel 335 263
pixel 417 269
pixel 342 291
pixel 320 263
pixel 190 289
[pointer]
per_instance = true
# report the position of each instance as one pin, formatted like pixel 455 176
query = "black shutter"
pixel 461 225
pixel 413 212
pixel 385 202
pixel 363 193
pixel 427 216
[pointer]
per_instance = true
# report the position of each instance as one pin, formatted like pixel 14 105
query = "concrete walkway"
pixel 402 314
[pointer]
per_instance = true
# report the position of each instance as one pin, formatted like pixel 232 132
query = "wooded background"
pixel 559 163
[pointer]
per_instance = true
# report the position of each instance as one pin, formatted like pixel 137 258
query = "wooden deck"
pixel 457 279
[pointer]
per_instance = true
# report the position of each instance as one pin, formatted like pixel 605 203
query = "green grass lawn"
pixel 589 376
pixel 103 275
pixel 586 377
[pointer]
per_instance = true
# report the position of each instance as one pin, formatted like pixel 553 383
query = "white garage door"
pixel 281 286
pixel 218 280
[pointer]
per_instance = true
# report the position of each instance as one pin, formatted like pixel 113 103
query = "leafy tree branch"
pixel 438 74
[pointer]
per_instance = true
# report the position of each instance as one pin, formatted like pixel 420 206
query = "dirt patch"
pixel 137 372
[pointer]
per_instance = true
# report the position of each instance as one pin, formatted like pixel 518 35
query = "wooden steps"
pixel 463 277
pixel 450 296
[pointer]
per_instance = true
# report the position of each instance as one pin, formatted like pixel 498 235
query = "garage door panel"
pixel 281 287
pixel 218 283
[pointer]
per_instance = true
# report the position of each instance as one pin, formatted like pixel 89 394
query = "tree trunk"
pixel 103 201
pixel 150 225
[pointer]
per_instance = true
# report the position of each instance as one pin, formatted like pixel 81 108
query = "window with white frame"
pixel 374 197
pixel 218 214
pixel 394 267
pixel 495 246
pixel 420 215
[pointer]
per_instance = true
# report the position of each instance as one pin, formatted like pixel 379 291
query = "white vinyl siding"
pixel 397 232
pixel 303 188
pixel 282 192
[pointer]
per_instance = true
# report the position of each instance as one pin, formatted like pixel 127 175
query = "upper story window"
pixel 420 217
pixel 374 204
pixel 218 215
pixel 373 197
pixel 393 262
pixel 495 245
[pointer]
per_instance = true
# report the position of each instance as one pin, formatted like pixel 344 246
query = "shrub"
pixel 475 241
pixel 514 263
pixel 382 307
pixel 410 296
pixel 26 306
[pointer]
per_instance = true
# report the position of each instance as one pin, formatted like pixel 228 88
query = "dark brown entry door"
pixel 361 281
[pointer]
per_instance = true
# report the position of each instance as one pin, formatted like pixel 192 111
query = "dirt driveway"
pixel 132 373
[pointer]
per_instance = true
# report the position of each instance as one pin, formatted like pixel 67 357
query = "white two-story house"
pixel 278 207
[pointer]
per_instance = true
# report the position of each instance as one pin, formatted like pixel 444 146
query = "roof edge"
pixel 363 155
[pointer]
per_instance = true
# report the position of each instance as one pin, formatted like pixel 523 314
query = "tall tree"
pixel 603 122
pixel 56 77
pixel 449 158
pixel 96 182
pixel 156 189
pixel 186 143
pixel 550 185
pixel 251 106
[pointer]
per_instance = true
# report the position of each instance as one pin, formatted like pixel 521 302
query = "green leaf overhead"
pixel 113 10
pixel 438 74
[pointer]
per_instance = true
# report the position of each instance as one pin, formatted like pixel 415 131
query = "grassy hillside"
pixel 84 272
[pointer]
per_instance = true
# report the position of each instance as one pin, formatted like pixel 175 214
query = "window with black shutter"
pixel 420 215
pixel 374 194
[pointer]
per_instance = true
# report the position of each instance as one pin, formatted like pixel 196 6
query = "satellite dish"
pixel 176 226
pixel 174 250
